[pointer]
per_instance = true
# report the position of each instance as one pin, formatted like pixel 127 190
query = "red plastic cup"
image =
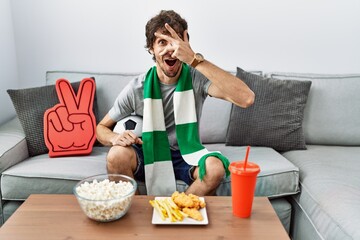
pixel 243 183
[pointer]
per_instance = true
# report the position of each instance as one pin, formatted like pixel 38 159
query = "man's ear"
pixel 151 51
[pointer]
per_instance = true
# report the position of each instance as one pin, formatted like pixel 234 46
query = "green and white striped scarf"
pixel 159 173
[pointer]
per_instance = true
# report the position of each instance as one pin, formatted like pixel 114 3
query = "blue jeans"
pixel 182 170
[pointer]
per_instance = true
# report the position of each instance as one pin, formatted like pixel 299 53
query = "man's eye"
pixel 162 42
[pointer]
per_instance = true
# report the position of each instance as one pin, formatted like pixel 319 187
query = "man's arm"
pixel 224 85
pixel 107 137
pixel 104 134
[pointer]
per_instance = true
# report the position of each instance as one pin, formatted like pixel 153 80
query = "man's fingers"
pixel 185 36
pixel 167 49
pixel 172 31
pixel 164 36
pixel 139 141
pixel 128 138
pixel 126 142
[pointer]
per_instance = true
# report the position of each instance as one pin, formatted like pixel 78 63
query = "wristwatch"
pixel 198 58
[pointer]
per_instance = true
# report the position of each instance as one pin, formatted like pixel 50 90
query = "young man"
pixel 180 81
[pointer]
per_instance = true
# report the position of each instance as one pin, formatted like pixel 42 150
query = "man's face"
pixel 170 66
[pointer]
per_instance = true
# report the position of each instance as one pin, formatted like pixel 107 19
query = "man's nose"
pixel 168 53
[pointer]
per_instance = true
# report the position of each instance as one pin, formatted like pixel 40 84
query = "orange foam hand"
pixel 69 127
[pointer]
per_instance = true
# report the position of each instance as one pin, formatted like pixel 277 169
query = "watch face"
pixel 199 57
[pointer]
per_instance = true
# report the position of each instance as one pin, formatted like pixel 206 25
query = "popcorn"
pixel 105 200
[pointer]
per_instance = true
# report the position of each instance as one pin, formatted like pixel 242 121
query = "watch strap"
pixel 198 58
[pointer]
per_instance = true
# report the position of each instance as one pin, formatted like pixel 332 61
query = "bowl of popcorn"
pixel 105 197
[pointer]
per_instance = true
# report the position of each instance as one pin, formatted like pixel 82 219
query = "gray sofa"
pixel 315 192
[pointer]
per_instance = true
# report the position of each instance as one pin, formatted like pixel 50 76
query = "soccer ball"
pixel 132 123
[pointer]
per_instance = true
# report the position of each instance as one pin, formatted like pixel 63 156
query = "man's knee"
pixel 117 152
pixel 214 169
pixel 118 156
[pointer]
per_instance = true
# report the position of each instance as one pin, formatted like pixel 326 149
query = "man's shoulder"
pixel 195 74
pixel 138 81
pixel 140 77
pixel 198 79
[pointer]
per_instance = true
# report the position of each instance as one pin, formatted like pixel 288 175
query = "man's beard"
pixel 167 73
pixel 171 74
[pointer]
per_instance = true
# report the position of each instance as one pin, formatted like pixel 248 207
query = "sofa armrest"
pixel 13 147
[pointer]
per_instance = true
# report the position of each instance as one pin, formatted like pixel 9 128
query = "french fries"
pixel 168 209
pixel 178 206
pixel 162 212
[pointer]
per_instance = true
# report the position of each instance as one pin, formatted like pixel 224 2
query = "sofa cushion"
pixel 13 148
pixel 39 174
pixel 275 118
pixel 277 177
pixel 30 105
pixel 330 187
pixel 215 131
pixel 330 117
pixel 283 210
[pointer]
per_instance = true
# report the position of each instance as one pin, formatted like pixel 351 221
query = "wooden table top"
pixel 44 216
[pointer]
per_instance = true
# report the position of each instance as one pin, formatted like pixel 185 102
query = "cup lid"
pixel 238 168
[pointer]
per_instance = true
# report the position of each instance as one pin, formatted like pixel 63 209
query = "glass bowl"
pixel 105 197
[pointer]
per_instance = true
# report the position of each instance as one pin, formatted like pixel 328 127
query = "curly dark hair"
pixel 158 22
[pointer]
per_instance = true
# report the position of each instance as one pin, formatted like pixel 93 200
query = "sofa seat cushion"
pixel 330 187
pixel 283 209
pixel 13 147
pixel 44 175
pixel 41 174
pixel 278 176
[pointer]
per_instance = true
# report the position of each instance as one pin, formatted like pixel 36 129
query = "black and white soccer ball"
pixel 133 123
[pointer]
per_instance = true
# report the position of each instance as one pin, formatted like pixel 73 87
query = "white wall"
pixel 8 68
pixel 318 36
pixel 280 35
